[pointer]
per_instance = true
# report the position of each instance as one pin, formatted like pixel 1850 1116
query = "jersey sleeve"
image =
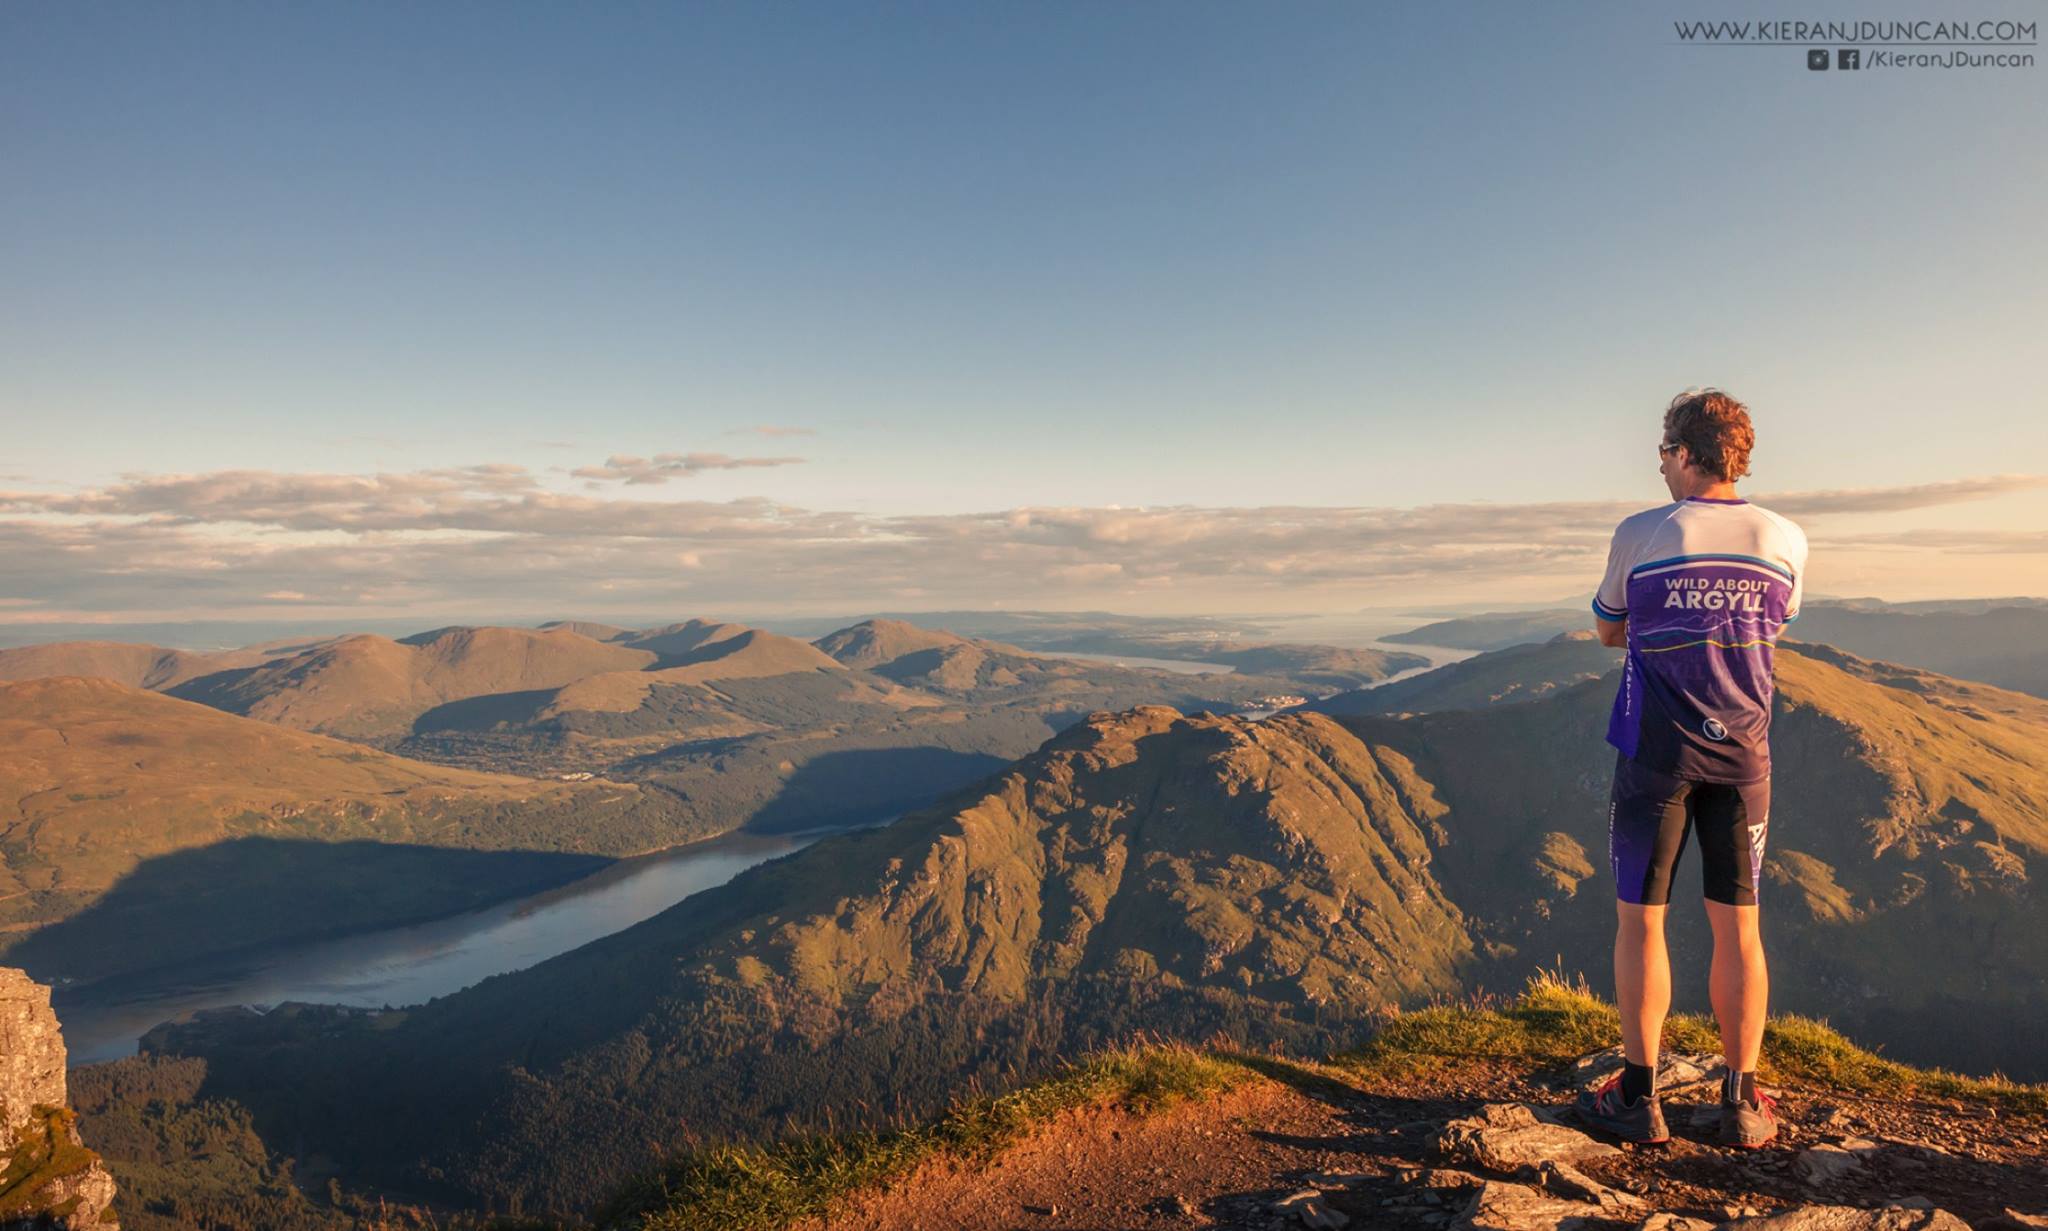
pixel 1798 554
pixel 1610 601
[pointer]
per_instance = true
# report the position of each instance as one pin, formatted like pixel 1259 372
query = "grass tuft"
pixel 1800 1048
pixel 1553 1019
pixel 44 1152
pixel 1556 1019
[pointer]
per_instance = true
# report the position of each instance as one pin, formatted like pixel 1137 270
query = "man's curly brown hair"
pixel 1715 430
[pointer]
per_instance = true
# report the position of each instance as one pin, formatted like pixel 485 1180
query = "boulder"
pixel 1828 1162
pixel 1564 1180
pixel 1825 1164
pixel 1677 1072
pixel 1439 1179
pixel 1500 1206
pixel 1504 1137
pixel 1902 1217
pixel 1309 1206
pixel 1668 1221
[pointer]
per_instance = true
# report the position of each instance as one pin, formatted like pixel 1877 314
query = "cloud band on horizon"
pixel 493 536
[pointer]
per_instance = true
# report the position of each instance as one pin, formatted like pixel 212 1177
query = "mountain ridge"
pixel 108 781
pixel 141 666
pixel 371 687
pixel 1196 873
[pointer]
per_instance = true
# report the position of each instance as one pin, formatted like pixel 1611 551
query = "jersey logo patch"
pixel 1713 729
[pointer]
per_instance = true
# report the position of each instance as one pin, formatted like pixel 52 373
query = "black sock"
pixel 1739 1087
pixel 1638 1082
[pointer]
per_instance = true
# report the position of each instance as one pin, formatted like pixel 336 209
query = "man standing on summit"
pixel 1698 590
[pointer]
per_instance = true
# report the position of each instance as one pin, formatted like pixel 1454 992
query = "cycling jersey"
pixel 1706 587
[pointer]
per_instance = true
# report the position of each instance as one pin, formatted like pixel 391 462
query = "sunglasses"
pixel 1672 447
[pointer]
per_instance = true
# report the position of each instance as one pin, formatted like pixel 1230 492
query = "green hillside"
pixel 1143 869
pixel 1497 677
pixel 1281 881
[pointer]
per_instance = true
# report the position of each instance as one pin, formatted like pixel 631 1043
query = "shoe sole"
pixel 1624 1132
pixel 1737 1141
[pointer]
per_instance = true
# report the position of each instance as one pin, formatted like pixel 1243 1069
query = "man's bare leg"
pixel 1627 1106
pixel 1642 979
pixel 1741 986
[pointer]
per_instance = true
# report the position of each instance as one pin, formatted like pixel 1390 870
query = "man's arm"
pixel 1610 601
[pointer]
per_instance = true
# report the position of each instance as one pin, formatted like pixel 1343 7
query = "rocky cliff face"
pixel 48 1179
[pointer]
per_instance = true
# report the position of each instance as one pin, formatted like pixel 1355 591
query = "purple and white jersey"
pixel 1706 587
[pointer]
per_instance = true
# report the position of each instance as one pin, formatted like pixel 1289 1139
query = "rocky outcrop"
pixel 1677 1072
pixel 1500 1206
pixel 48 1179
pixel 31 1051
pixel 1899 1216
pixel 1539 1189
pixel 1506 1136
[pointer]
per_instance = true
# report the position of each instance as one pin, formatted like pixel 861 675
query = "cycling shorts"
pixel 1648 816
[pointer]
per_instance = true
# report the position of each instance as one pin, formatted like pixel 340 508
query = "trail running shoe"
pixel 1747 1125
pixel 1641 1122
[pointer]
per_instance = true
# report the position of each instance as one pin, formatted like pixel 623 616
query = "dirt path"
pixel 1225 1161
pixel 1091 1169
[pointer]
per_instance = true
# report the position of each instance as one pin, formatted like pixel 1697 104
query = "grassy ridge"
pixel 146 1117
pixel 1553 1021
pixel 749 1188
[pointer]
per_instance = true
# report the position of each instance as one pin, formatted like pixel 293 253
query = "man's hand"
pixel 1612 632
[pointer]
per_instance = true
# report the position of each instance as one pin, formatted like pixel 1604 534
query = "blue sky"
pixel 975 259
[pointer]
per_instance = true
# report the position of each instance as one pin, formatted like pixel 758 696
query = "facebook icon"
pixel 1817 59
pixel 1848 58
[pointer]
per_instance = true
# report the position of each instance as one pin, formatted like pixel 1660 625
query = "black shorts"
pixel 1648 816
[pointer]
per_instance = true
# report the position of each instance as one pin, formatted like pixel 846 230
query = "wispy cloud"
pixel 494 538
pixel 1972 542
pixel 286 501
pixel 770 429
pixel 665 466
pixel 1900 499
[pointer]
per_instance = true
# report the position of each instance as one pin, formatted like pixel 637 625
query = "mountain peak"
pixel 873 643
pixel 1275 860
pixel 1120 728
pixel 371 687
